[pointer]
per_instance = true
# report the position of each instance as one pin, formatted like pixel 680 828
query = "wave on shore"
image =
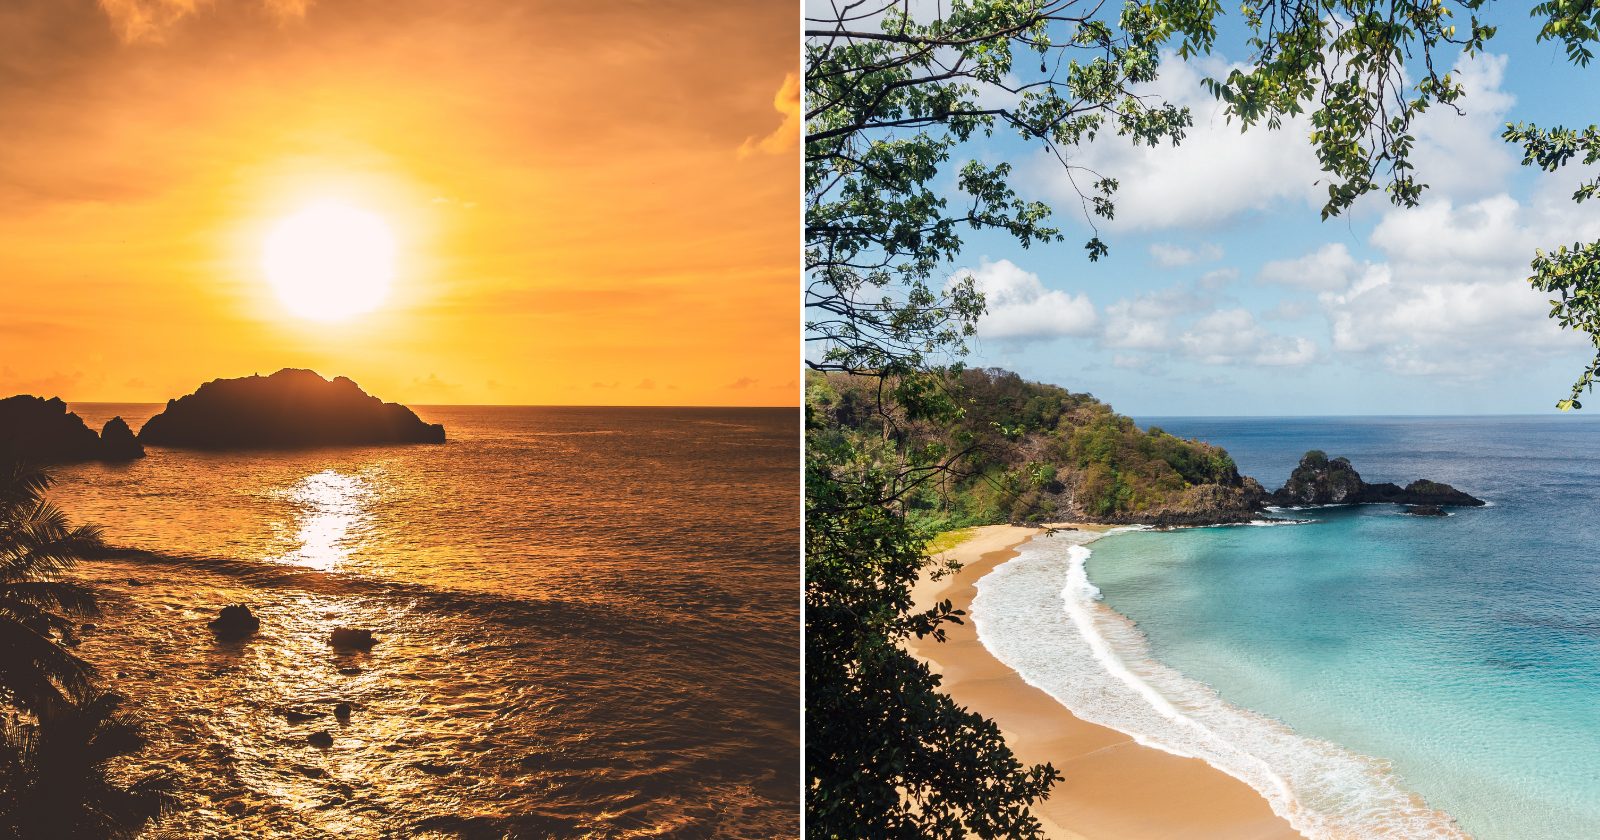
pixel 1041 615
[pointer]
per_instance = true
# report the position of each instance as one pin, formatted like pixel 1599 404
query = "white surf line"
pixel 1054 643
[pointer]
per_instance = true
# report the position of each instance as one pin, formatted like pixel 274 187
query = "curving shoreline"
pixel 1114 787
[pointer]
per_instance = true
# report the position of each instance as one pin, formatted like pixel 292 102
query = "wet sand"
pixel 1114 787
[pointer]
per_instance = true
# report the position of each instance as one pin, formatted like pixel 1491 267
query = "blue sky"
pixel 1225 294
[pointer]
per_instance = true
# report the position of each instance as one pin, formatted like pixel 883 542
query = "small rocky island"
pixel 43 431
pixel 289 409
pixel 1320 480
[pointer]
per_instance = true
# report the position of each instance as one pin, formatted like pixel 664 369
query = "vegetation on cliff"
pixel 1032 452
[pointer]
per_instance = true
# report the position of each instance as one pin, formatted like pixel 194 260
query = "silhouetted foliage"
pixel 59 735
pixel 58 779
pixel 37 608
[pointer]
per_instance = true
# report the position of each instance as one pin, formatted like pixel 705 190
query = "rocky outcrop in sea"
pixel 289 409
pixel 1320 480
pixel 43 431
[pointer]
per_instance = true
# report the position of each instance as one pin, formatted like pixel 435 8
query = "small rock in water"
pixel 234 622
pixel 355 639
pixel 342 711
pixel 310 772
pixel 349 670
pixel 1426 510
pixel 320 739
pixel 135 582
pixel 87 626
pixel 297 716
pixel 433 769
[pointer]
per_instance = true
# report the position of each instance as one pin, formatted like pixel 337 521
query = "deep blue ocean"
pixel 1465 650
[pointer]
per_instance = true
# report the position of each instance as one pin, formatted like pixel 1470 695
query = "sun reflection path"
pixel 331 512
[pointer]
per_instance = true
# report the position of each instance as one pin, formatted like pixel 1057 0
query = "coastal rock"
pixel 1320 480
pixel 1421 492
pixel 1426 510
pixel 353 639
pixel 342 711
pixel 234 622
pixel 297 716
pixel 432 768
pixel 118 443
pixel 289 409
pixel 320 739
pixel 43 431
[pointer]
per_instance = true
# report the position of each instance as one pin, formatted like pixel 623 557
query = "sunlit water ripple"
pixel 587 622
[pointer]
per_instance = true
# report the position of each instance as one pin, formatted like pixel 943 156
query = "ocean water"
pixel 1373 674
pixel 588 624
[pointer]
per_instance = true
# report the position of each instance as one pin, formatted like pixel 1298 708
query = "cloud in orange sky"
pixel 786 137
pixel 147 20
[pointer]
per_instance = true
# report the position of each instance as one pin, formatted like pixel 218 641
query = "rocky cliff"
pixel 44 432
pixel 289 409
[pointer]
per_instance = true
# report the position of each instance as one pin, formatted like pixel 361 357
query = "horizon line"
pixel 1553 412
pixel 795 406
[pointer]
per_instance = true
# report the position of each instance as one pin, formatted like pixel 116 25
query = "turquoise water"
pixel 1462 653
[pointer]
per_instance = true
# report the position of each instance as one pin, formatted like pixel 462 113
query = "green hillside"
pixel 1031 452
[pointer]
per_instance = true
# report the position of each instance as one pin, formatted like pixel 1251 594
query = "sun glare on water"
pixel 330 261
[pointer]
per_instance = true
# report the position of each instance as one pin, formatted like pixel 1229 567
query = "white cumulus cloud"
pixel 1232 336
pixel 1450 295
pixel 1325 269
pixel 1020 307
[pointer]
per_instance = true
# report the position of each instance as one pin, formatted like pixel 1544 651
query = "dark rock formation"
pixel 354 639
pixel 234 622
pixel 298 716
pixel 42 431
pixel 342 711
pixel 118 443
pixel 433 769
pixel 1420 492
pixel 1320 480
pixel 1426 510
pixel 289 409
pixel 320 739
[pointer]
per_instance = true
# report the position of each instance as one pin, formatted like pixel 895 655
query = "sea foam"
pixel 1041 615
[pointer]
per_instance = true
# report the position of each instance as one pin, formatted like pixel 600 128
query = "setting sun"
pixel 330 261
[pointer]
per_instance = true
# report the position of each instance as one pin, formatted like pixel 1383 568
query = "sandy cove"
pixel 1114 787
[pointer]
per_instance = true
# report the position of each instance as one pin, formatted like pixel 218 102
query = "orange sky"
pixel 595 203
